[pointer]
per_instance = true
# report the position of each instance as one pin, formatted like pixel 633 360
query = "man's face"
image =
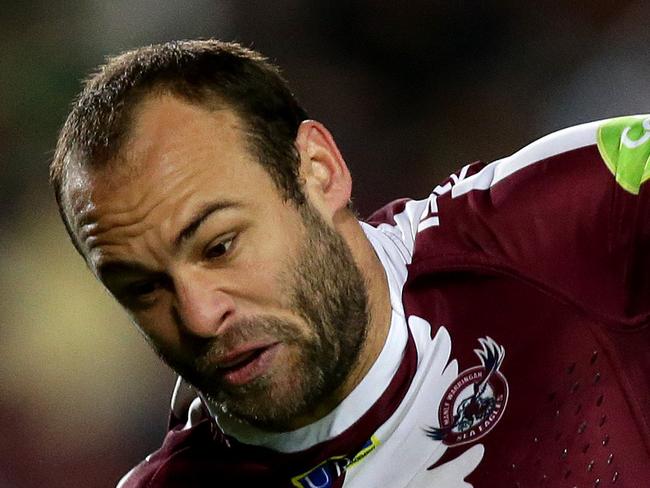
pixel 255 302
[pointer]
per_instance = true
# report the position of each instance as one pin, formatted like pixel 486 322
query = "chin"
pixel 264 403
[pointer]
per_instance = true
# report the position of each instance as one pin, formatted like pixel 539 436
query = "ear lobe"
pixel 328 183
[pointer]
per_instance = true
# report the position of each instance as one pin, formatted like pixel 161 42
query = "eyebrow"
pixel 200 216
pixel 111 269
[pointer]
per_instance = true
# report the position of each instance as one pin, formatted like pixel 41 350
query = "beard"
pixel 326 289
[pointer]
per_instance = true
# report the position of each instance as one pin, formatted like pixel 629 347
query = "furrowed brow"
pixel 200 217
pixel 110 271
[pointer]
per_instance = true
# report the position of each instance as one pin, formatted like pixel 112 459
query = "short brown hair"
pixel 205 72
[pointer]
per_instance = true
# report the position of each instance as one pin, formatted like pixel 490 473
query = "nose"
pixel 200 307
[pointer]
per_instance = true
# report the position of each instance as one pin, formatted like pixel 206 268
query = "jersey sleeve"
pixel 569 213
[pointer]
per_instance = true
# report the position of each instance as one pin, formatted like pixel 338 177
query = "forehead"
pixel 167 136
pixel 175 152
pixel 168 132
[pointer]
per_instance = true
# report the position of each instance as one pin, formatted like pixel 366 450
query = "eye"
pixel 139 293
pixel 142 288
pixel 215 251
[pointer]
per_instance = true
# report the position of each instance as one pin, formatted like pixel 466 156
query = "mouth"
pixel 244 365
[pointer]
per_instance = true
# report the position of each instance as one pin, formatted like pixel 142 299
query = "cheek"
pixel 264 280
pixel 158 326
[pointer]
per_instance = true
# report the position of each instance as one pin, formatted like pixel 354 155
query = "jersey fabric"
pixel 519 348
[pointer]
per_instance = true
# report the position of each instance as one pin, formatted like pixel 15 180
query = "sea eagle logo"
pixel 473 404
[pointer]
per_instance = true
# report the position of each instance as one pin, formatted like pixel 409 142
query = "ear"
pixel 328 184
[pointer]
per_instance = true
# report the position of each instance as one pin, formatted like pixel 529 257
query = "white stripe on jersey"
pixel 556 143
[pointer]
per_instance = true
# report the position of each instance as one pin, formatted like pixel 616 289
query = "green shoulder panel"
pixel 624 144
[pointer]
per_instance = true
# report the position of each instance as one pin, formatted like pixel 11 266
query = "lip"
pixel 247 363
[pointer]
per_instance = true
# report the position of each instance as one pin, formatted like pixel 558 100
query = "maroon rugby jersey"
pixel 519 348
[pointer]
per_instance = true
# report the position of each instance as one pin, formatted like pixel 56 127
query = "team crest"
pixel 475 401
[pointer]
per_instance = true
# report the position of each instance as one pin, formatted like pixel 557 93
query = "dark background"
pixel 410 90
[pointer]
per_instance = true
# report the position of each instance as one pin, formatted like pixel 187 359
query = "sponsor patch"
pixel 324 475
pixel 475 401
pixel 624 145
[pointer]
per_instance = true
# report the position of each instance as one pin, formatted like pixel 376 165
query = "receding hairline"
pixel 119 162
pixel 106 88
pixel 138 99
pixel 203 72
pixel 77 176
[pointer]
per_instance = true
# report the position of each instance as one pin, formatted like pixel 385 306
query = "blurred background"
pixel 410 90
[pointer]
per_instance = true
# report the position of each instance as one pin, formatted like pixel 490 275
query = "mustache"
pixel 254 329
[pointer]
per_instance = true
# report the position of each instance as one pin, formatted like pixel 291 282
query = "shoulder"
pixel 608 150
pixel 182 455
pixel 620 145
pixel 567 212
pixel 189 426
pixel 138 477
